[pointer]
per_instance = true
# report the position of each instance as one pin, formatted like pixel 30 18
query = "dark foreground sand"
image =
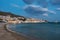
pixel 7 35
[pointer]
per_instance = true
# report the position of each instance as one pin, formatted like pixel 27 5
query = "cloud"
pixel 15 5
pixel 35 9
pixel 53 12
pixel 43 3
pixel 39 2
pixel 28 1
pixel 45 14
pixel 55 2
pixel 44 9
pixel 58 8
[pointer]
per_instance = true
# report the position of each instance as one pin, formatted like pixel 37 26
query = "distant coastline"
pixel 12 18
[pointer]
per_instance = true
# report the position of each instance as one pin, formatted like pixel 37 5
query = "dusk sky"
pixel 40 9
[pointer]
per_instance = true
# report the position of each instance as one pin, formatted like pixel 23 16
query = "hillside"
pixel 8 13
pixel 11 15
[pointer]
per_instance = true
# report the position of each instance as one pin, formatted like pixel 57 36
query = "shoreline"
pixel 20 34
pixel 8 35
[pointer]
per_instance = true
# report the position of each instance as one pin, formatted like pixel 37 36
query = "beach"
pixel 36 31
pixel 7 35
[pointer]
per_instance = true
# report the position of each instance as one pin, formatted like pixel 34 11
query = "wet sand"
pixel 7 35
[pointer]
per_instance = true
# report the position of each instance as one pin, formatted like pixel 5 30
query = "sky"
pixel 39 9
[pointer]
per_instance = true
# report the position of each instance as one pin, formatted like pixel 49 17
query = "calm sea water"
pixel 45 31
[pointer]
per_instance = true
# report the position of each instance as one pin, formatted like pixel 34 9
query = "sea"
pixel 37 31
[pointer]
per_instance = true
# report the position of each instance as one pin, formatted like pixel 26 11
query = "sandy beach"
pixel 7 35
